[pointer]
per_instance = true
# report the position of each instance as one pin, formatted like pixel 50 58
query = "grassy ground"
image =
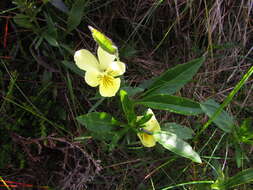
pixel 41 93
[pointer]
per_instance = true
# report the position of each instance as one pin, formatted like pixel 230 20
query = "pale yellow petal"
pixel 109 86
pixel 116 68
pixel 92 78
pixel 147 140
pixel 152 125
pixel 85 60
pixel 105 58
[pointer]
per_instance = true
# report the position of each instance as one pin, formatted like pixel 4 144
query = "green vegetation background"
pixel 42 91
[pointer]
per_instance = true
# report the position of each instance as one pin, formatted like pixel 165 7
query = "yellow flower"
pixel 151 126
pixel 103 72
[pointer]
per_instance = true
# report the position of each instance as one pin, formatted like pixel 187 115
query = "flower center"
pixel 107 80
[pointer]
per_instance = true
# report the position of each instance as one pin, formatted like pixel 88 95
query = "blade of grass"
pixel 159 167
pixel 10 90
pixel 164 37
pixel 35 111
pixel 8 10
pixel 188 183
pixel 5 184
pixel 209 30
pixel 100 101
pixel 57 127
pixel 168 31
pixel 72 105
pixel 19 89
pixel 146 17
pixel 214 150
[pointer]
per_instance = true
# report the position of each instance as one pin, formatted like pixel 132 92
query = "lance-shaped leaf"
pixel 173 143
pixel 173 79
pixel 76 13
pixel 50 34
pixel 171 103
pixel 181 131
pixel 103 41
pixel 23 21
pixel 127 106
pixel 99 122
pixel 224 121
pixel 59 4
pixel 73 68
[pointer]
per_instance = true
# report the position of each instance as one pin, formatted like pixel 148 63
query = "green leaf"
pixel 50 39
pixel 105 137
pixel 131 91
pixel 128 50
pixel 171 103
pixel 46 77
pixel 59 4
pixel 243 177
pixel 50 35
pixel 39 41
pixel 228 98
pixel 173 143
pixel 245 132
pixel 73 68
pixel 202 187
pixel 51 29
pixel 67 48
pixel 181 131
pixel 224 121
pixel 239 155
pixel 75 15
pixel 173 79
pixel 114 142
pixel 103 41
pixel 98 122
pixel 128 107
pixel 23 21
